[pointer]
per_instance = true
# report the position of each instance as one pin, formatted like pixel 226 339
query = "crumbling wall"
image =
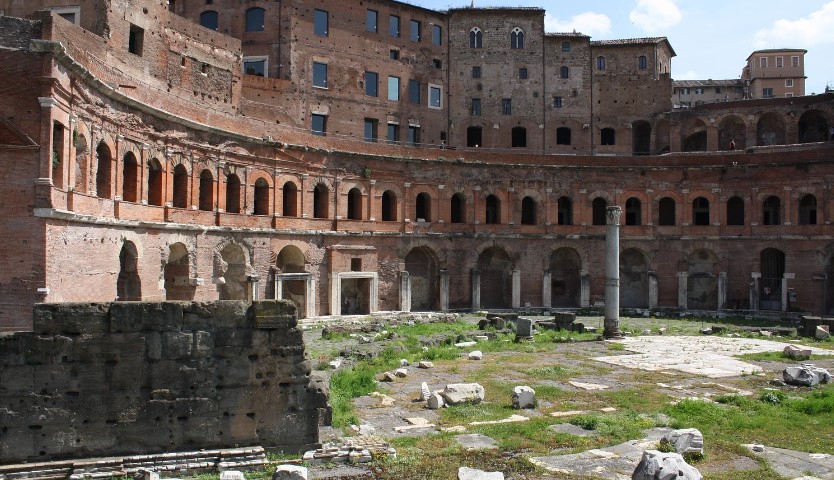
pixel 137 377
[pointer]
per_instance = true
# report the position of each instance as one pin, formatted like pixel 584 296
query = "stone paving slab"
pixel 474 441
pixel 708 356
pixel 793 464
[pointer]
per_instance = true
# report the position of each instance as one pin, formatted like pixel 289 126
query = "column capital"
pixel 613 214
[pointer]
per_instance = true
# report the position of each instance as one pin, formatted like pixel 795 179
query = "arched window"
pixel 564 72
pixel 232 194
pixel 770 211
pixel 290 200
pixel 517 38
pixel 519 137
pixel 154 183
pixel 666 211
pixel 642 63
pixel 528 211
pixel 321 201
pixel 130 178
pixel 209 19
pixel 105 159
pixel 206 191
pixel 808 210
pixel 255 20
pixel 180 199
pixel 700 211
pixel 633 211
pixel 600 63
pixel 422 207
pixel 261 203
pixel 476 38
pixel 354 204
pixel 563 136
pixel 493 210
pixel 599 206
pixel 735 211
pixel 565 206
pixel 607 136
pixel 458 213
pixel 389 206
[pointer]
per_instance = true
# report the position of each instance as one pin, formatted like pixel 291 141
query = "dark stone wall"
pixel 136 377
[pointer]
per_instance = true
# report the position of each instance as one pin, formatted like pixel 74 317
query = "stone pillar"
pixel 311 297
pixel 752 139
pixel 584 289
pixel 722 290
pixel 279 287
pixel 444 290
pixel 371 204
pixel 683 278
pixel 755 278
pixel 652 289
pixel 335 294
pixel 785 278
pixel 476 289
pixel 405 292
pixel 547 301
pixel 516 289
pixel 612 273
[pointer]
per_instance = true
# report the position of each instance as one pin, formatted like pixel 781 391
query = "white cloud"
pixel 814 29
pixel 655 15
pixel 589 23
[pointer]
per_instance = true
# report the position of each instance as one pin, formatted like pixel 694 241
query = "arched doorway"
pixel 770 130
pixel 634 279
pixel 231 273
pixel 292 278
pixel 732 128
pixel 702 284
pixel 773 271
pixel 565 280
pixel 641 137
pixel 177 274
pixel 128 285
pixel 422 271
pixel 496 278
pixel 813 127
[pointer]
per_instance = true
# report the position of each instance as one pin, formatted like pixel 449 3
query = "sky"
pixel 712 38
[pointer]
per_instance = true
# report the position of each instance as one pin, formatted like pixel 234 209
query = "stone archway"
pixel 292 281
pixel 770 130
pixel 421 266
pixel 565 278
pixel 732 129
pixel 702 283
pixel 496 278
pixel 813 127
pixel 177 274
pixel 634 279
pixel 128 285
pixel 231 273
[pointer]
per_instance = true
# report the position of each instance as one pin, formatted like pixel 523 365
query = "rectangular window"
pixel 566 46
pixel 255 66
pixel 413 135
pixel 779 63
pixel 437 63
pixel 476 72
pixel 372 84
pixel 506 106
pixel 437 35
pixel 476 107
pixel 435 96
pixel 522 73
pixel 415 32
pixel 320 75
pixel 320 23
pixel 394 89
pixel 763 62
pixel 70 14
pixel 717 89
pixel 767 92
pixel 394 54
pixel 136 40
pixel 371 125
pixel 794 61
pixel 414 92
pixel 788 82
pixel 557 102
pixel 788 95
pixel 393 133
pixel 372 21
pixel 699 91
pixel 394 25
pixel 685 91
pixel 319 124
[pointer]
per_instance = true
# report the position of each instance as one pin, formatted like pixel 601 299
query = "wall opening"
pixel 177 274
pixel 354 204
pixel 290 200
pixel 528 211
pixel 321 201
pixel 496 278
pixel 422 270
pixel 598 207
pixel 666 211
pixel 770 287
pixel 206 202
pixel 634 279
pixel 261 198
pixel 565 278
pixel 128 284
pixel 492 210
pixel 130 178
pixel 180 199
pixel 458 207
pixel 422 207
pixel 232 193
pixel 389 206
pixel 702 282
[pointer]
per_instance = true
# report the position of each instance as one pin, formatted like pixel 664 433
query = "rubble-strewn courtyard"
pixel 598 404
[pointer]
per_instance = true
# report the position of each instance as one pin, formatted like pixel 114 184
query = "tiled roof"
pixel 707 83
pixel 567 34
pixel 634 41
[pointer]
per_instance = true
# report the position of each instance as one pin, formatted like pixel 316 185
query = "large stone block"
pixel 456 393
pixel 656 465
pixel 274 314
pixel 126 317
pixel 70 318
pixel 177 345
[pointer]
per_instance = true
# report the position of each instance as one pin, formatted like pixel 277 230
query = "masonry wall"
pixel 130 378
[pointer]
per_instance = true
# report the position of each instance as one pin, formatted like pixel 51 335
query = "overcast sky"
pixel 712 38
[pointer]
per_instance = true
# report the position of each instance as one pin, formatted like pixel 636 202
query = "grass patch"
pixel 345 385
pixel 550 372
pixel 465 413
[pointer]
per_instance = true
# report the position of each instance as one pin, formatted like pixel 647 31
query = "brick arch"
pixel 694 135
pixel 771 129
pixel 731 128
pixel 181 160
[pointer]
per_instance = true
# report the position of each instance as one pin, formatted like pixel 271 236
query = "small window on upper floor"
pixel 789 82
pixel 255 66
pixel 557 102
pixel 795 61
pixel 394 25
pixel 643 63
pixel 372 21
pixel 600 63
pixel 566 46
pixel 437 35
pixel 763 62
pixel 476 72
pixel 517 38
pixel 209 19
pixel 506 106
pixel 416 30
pixel 436 63
pixel 394 54
pixel 71 14
pixel 522 73
pixel 476 38
pixel 564 72
pixel 319 75
pixel 321 23
pixel 135 41
pixel 780 62
pixel 255 20
pixel 414 90
pixel 318 124
pixel 435 96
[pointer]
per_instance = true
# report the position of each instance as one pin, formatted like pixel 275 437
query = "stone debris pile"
pixel 657 465
pixel 806 375
pixel 358 449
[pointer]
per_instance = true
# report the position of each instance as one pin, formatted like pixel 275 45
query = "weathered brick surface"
pixel 150 382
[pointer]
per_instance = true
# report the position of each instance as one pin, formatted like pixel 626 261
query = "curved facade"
pixel 142 164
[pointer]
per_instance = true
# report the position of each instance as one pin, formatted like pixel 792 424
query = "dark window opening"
pixel 180 199
pixel 458 213
pixel 564 72
pixel 354 204
pixel 666 211
pixel 209 19
pixel 519 137
pixel 255 20
pixel 517 39
pixel 394 25
pixel 563 136
pixel 372 21
pixel 371 126
pixel 321 23
pixel 355 264
pixel 206 202
pixel 233 194
pixel 261 198
pixel 474 137
pixel 700 211
pixel 771 211
pixel 289 200
pixel 422 207
pixel 599 207
pixel 371 84
pixel 476 38
pixel 389 206
pixel 321 201
pixel 565 216
pixel 493 210
pixel 528 211
pixel 633 213
pixel 319 124
pixel 735 211
pixel 136 40
pixel 808 210
pixel 607 136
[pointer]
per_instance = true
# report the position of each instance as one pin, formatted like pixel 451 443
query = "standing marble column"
pixel 612 273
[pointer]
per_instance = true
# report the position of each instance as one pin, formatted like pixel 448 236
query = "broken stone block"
pixel 476 355
pixel 401 372
pixel 425 393
pixel 661 330
pixel 657 465
pixel 706 331
pixel 465 344
pixel 232 475
pixel 290 472
pixel 523 327
pixel 435 401
pixel 466 473
pixel 822 332
pixel 797 353
pixel 425 364
pixel 456 393
pixel 685 441
pixel 388 377
pixel 524 397
pixel 806 375
pixel 403 362
pixel 334 364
